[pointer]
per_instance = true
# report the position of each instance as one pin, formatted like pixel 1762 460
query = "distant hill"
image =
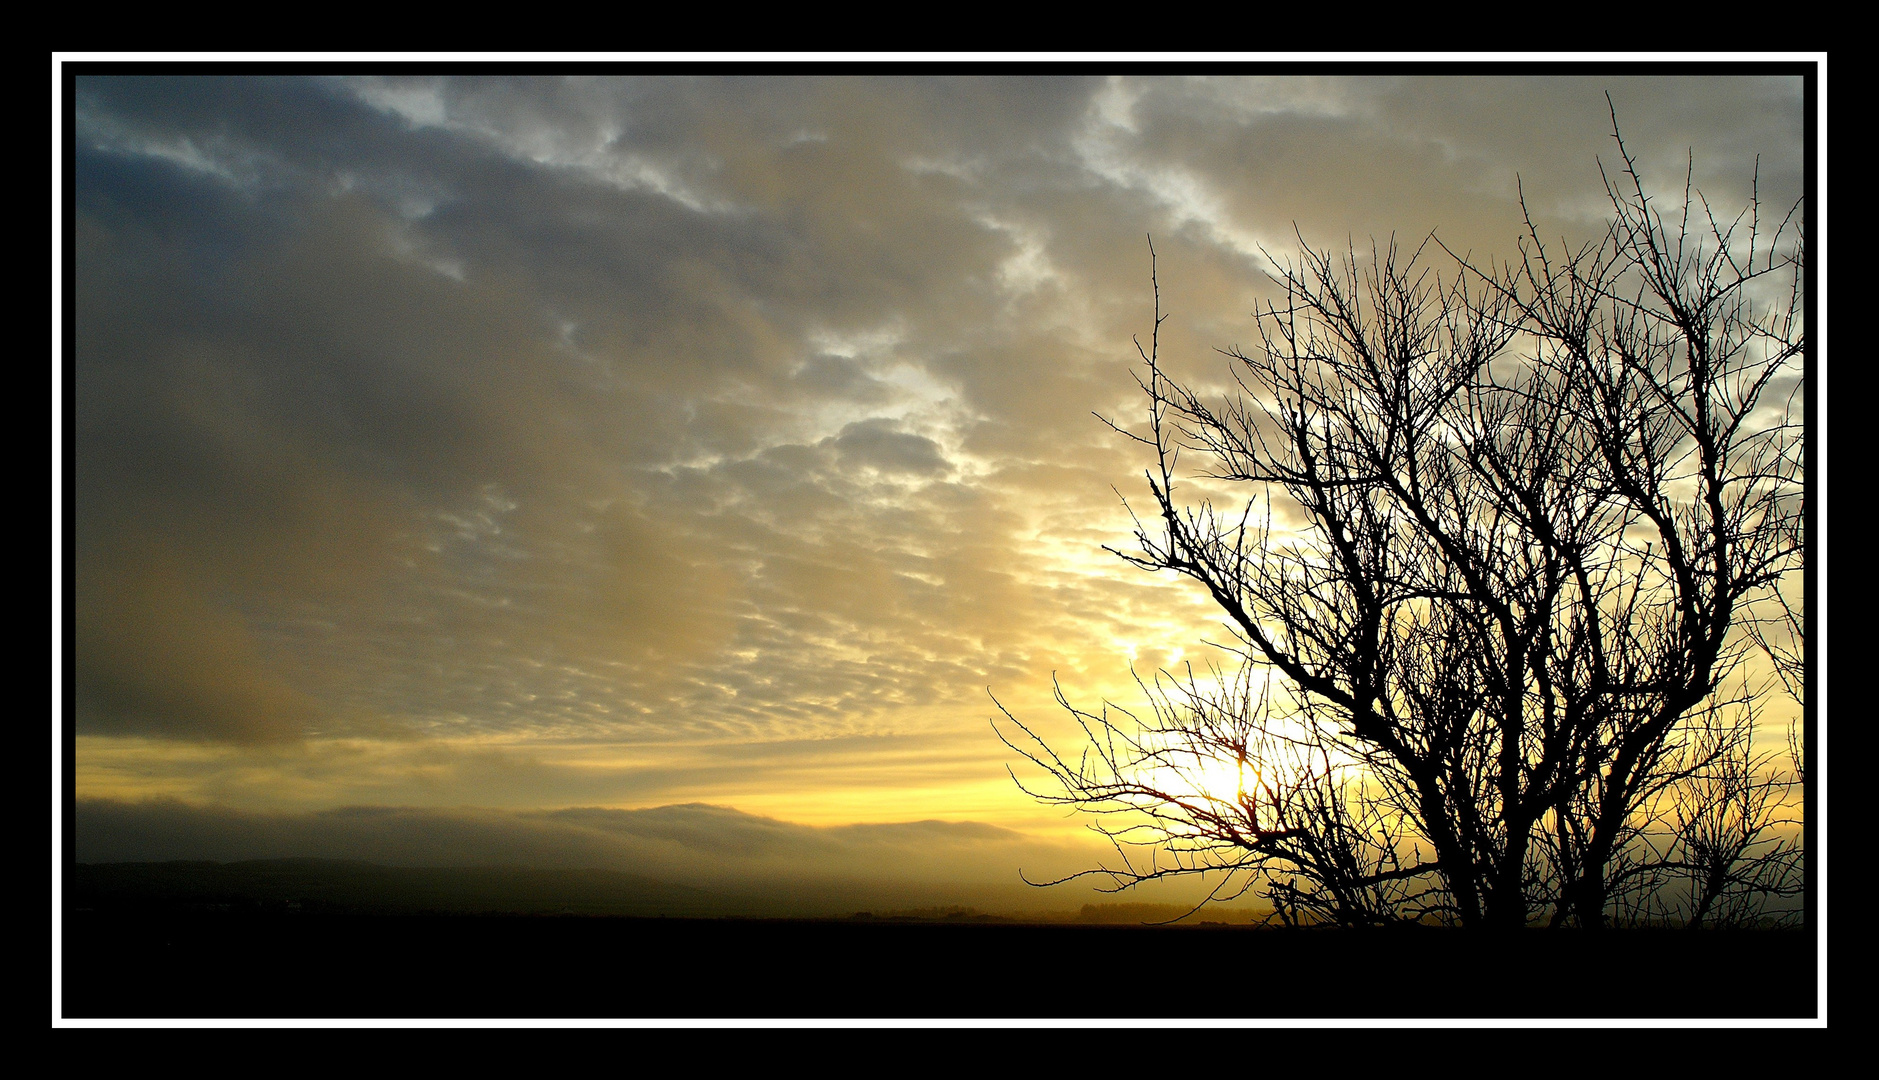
pixel 346 886
pixel 1150 914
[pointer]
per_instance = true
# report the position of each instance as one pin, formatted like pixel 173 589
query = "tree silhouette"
pixel 1494 586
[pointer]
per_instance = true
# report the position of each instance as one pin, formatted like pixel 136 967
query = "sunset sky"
pixel 657 472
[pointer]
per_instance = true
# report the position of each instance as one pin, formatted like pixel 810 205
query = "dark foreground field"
pixel 120 964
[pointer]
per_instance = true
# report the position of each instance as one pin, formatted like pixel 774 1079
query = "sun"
pixel 1199 778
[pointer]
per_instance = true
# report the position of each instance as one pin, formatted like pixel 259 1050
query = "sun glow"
pixel 1204 780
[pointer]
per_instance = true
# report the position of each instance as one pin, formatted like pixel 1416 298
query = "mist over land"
pixel 733 863
pixel 342 887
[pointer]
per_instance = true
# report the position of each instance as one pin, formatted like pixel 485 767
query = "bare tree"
pixel 1504 526
pixel 1782 636
pixel 1716 845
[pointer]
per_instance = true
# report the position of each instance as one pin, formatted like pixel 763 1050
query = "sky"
pixel 665 472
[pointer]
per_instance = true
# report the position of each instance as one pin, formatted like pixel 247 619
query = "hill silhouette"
pixel 346 886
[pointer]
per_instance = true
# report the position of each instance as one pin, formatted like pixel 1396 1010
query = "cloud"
pixel 166 661
pixel 878 444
